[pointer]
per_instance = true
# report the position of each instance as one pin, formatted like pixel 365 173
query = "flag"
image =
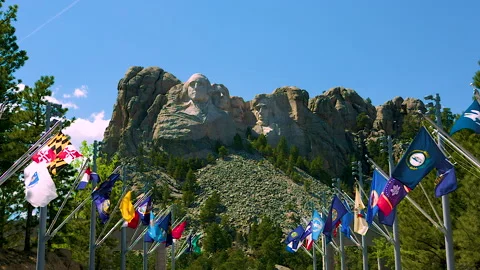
pixel 446 181
pixel 169 237
pixel 318 223
pixel 126 207
pixel 69 154
pixel 337 211
pixel 178 230
pixel 470 119
pixel 360 225
pixel 105 187
pixel 44 156
pixel 195 247
pixel 165 223
pixel 377 186
pixel 307 238
pixel 144 210
pixel 346 220
pixel 85 179
pixel 391 196
pixel 420 158
pixel 39 187
pixel 387 220
pixel 103 205
pixel 293 239
pixel 134 222
pixel 154 231
pixel 58 144
pixel 101 197
pixel 189 247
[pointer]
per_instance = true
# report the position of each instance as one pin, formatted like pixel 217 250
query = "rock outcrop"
pixel 189 118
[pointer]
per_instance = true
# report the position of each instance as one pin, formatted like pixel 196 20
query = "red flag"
pixel 177 231
pixel 134 222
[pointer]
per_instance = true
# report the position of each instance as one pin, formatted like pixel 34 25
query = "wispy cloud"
pixel 66 95
pixel 64 104
pixel 49 20
pixel 81 92
pixel 88 129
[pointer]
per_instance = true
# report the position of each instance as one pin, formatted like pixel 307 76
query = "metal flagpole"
pixel 396 238
pixel 447 222
pixel 123 251
pixel 313 251
pixel 364 244
pixel 342 250
pixel 173 243
pixel 93 214
pixel 43 211
pixel 145 254
pixel 326 251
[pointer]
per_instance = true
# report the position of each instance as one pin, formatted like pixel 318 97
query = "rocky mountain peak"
pixel 189 118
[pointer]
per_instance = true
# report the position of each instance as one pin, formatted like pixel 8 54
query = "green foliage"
pixel 216 239
pixel 476 78
pixel 222 152
pixel 237 142
pixel 411 125
pixel 363 121
pixel 210 210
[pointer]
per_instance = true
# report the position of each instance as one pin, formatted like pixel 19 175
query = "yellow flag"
pixel 360 225
pixel 126 207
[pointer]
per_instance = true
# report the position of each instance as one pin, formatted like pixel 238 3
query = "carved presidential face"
pixel 262 111
pixel 198 87
pixel 220 97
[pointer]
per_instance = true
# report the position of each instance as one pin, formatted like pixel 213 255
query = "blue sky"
pixel 382 49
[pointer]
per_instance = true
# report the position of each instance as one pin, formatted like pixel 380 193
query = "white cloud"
pixel 67 95
pixel 84 129
pixel 81 92
pixel 64 104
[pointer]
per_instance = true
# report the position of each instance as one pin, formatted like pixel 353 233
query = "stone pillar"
pixel 161 263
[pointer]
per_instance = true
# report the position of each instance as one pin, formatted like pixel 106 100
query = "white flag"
pixel 39 186
pixel 360 225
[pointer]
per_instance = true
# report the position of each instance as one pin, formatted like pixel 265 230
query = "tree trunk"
pixel 28 228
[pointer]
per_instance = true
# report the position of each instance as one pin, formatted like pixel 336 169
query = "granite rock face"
pixel 189 118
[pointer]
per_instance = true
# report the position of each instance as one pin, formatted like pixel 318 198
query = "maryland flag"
pixel 58 153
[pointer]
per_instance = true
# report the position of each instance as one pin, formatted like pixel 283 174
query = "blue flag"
pixel 294 238
pixel 318 223
pixel 446 181
pixel 154 231
pixel 378 184
pixel 337 211
pixel 346 221
pixel 144 210
pixel 419 159
pixel 101 197
pixel 470 119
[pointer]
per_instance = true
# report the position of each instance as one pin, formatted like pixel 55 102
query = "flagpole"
pixel 445 199
pixel 342 250
pixel 145 254
pixel 364 244
pixel 123 244
pixel 313 251
pixel 326 251
pixel 93 214
pixel 396 237
pixel 42 227
pixel 173 243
